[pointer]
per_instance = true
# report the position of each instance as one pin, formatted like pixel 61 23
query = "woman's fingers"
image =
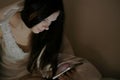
pixel 63 77
pixel 67 76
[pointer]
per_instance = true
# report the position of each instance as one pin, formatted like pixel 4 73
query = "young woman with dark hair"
pixel 45 18
pixel 32 45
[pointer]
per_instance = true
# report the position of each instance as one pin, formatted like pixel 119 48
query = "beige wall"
pixel 93 27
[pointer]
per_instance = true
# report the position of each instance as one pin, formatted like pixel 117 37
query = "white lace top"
pixel 14 60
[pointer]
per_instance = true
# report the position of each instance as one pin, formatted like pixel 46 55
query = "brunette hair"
pixel 34 12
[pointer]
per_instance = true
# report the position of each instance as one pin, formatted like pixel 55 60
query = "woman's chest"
pixel 23 39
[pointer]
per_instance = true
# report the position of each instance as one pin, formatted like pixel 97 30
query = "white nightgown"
pixel 13 59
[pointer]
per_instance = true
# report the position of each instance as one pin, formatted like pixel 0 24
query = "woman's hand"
pixel 68 75
pixel 68 71
pixel 65 72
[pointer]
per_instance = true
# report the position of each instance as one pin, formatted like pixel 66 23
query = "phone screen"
pixel 67 69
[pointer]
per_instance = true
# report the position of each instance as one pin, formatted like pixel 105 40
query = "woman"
pixel 33 47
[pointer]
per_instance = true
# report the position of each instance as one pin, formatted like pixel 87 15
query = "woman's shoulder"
pixel 6 10
pixel 0 34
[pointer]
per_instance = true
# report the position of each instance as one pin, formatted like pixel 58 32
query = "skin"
pixel 44 25
pixel 18 26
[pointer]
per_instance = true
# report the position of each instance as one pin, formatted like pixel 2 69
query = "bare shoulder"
pixel 1 14
pixel 0 33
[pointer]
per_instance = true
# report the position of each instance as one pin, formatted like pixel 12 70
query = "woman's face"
pixel 44 25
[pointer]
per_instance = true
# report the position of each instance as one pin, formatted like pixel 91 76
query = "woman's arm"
pixel 83 71
pixel 67 53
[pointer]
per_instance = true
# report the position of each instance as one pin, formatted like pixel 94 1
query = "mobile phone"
pixel 67 69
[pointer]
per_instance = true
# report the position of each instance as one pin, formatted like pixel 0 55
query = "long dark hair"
pixel 34 12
